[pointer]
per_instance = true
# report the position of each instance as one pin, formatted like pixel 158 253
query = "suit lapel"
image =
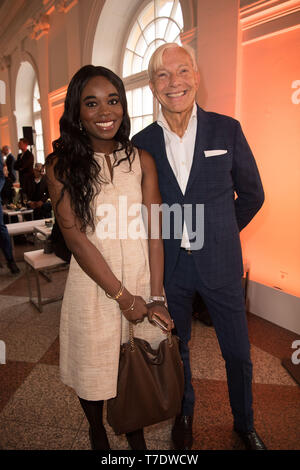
pixel 162 161
pixel 201 143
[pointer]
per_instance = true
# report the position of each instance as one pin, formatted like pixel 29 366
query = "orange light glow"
pixel 4 132
pixel 256 14
pixel 56 108
pixel 270 115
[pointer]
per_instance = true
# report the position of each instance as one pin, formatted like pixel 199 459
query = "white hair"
pixel 156 60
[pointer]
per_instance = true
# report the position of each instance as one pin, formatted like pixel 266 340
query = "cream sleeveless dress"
pixel 92 326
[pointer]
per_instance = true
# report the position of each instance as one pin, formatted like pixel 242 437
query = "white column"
pixel 72 21
pixel 40 34
pixel 12 123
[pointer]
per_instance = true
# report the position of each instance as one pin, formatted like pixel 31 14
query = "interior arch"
pixel 24 93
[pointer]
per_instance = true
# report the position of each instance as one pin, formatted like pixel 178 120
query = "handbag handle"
pixel 131 337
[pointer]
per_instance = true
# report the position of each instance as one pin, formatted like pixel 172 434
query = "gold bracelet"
pixel 118 295
pixel 131 306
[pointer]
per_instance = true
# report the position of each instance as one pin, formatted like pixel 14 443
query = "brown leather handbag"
pixel 150 384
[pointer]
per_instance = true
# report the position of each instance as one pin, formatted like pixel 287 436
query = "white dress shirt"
pixel 180 152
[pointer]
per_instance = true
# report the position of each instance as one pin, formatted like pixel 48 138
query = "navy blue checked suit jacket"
pixel 214 181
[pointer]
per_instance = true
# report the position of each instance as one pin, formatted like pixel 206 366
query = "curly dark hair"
pixel 75 165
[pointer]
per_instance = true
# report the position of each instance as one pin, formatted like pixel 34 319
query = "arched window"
pixel 159 22
pixel 37 120
pixel 28 109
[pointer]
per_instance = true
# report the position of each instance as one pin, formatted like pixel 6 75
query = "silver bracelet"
pixel 157 298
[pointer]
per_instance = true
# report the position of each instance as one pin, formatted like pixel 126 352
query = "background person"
pixel 5 242
pixel 9 160
pixel 203 158
pixel 8 192
pixel 38 194
pixel 24 165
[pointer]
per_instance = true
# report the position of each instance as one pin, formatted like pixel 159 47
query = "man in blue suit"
pixel 204 162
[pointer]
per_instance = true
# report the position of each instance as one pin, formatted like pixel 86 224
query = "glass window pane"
pixel 141 46
pixel 137 102
pixel 147 15
pixel 137 125
pixel 147 120
pixel 137 64
pixel 147 56
pixel 177 40
pixel 133 37
pixel 39 142
pixel 129 102
pixel 38 126
pixel 160 26
pixel 165 7
pixel 158 42
pixel 172 32
pixel 149 32
pixel 36 92
pixel 178 16
pixel 127 64
pixel 147 100
pixel 36 97
pixel 40 156
pixel 36 105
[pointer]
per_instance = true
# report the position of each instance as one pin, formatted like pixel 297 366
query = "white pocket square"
pixel 213 153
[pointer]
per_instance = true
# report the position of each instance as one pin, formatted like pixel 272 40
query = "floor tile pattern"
pixel 38 412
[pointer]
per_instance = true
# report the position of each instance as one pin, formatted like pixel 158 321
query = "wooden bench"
pixel 40 263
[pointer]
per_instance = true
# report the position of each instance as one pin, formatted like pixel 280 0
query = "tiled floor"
pixel 38 412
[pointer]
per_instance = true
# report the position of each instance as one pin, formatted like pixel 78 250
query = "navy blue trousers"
pixel 226 306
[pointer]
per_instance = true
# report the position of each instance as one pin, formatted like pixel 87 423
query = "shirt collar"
pixel 161 120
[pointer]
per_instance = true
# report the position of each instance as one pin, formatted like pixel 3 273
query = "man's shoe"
pixel 13 267
pixel 182 432
pixel 251 440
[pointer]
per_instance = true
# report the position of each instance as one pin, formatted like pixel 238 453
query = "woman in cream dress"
pixel 98 183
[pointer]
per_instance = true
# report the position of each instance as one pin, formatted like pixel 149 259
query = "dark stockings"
pixel 136 440
pixel 94 413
